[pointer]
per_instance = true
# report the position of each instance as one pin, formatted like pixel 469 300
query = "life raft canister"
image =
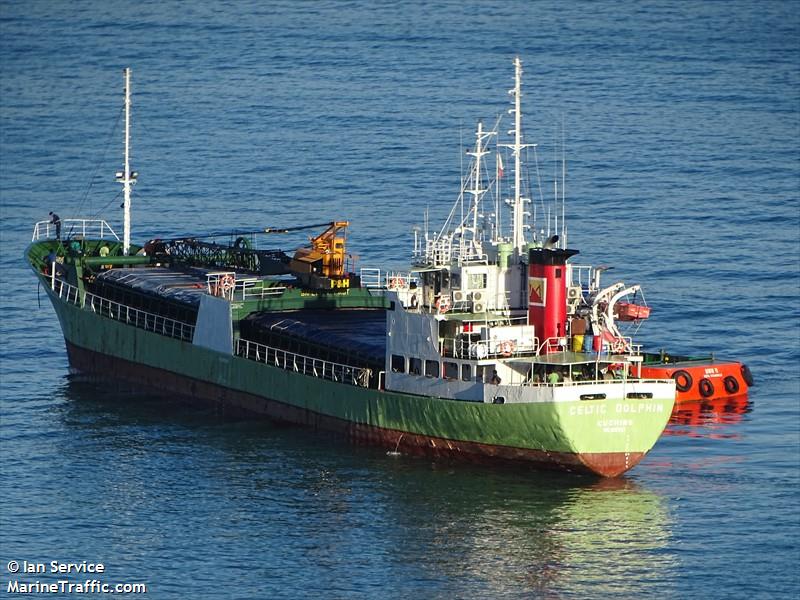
pixel 683 380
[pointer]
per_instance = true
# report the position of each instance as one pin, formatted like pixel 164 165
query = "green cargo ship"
pixel 464 355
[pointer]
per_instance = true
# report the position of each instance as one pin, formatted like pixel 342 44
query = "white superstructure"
pixel 461 325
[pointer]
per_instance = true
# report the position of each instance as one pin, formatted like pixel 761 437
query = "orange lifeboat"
pixel 626 311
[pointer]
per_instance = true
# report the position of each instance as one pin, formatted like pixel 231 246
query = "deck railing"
pixel 123 313
pixel 254 289
pixel 74 227
pixel 306 365
pixel 389 280
pixel 480 349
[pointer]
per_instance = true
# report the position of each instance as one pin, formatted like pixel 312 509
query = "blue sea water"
pixel 682 122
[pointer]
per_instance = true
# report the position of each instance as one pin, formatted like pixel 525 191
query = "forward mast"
pixel 126 177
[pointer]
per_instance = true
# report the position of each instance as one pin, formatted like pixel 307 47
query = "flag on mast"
pixel 499 166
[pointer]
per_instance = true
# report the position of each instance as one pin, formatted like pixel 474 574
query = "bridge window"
pixel 466 372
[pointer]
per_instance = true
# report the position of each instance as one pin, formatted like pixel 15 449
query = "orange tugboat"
pixel 699 378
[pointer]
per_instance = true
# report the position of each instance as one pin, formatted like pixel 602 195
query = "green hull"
pixel 606 437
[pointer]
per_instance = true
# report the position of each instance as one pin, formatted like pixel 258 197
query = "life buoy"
pixel 507 348
pixel 706 388
pixel 731 385
pixel 683 381
pixel 395 283
pixel 443 304
pixel 618 346
pixel 747 375
pixel 226 284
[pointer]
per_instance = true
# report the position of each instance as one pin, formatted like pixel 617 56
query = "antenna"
pixel 563 186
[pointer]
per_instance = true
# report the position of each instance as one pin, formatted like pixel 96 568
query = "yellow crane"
pixel 325 257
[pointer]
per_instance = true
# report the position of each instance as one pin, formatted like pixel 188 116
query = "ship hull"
pixel 608 464
pixel 597 436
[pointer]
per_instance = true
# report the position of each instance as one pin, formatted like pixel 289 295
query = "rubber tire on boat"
pixel 706 388
pixel 688 381
pixel 731 385
pixel 747 375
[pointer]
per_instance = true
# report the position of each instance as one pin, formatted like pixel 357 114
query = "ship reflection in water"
pixel 433 529
pixel 708 413
pixel 547 535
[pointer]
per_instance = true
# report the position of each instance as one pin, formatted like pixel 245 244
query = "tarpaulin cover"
pixel 183 287
pixel 361 333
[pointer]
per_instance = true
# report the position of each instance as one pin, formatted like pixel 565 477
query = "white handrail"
pixel 370 277
pixel 462 348
pixel 124 313
pixel 307 365
pixel 72 227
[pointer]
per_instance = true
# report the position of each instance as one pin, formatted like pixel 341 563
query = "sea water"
pixel 680 123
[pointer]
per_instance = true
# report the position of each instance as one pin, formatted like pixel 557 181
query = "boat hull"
pixel 603 437
pixel 702 380
pixel 607 464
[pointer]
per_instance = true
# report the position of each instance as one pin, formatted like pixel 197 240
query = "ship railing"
pixel 123 313
pixel 139 318
pixel 253 288
pixel 370 277
pixel 221 283
pixel 86 228
pixel 306 365
pixel 65 291
pixel 466 349
pixel 438 251
pixel 469 255
pixel 583 277
pixel 621 345
pixel 527 381
pixel 553 344
pixel 399 280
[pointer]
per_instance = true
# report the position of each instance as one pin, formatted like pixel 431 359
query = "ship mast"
pixel 477 191
pixel 127 180
pixel 518 231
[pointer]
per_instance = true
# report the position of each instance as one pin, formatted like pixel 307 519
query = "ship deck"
pixel 358 334
pixel 185 287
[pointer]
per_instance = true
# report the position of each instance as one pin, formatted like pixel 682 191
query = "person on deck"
pixel 48 262
pixel 56 220
pixel 553 377
pixel 495 378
